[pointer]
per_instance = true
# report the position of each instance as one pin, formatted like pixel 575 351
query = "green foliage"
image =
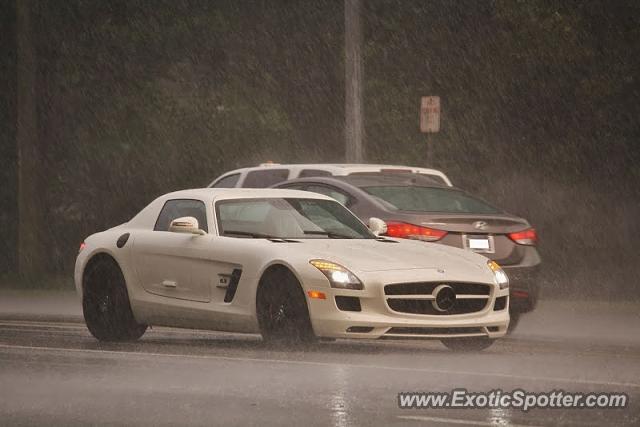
pixel 540 102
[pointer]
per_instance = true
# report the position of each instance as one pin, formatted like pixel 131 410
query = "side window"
pixel 263 178
pixel 436 178
pixel 334 193
pixel 227 182
pixel 305 173
pixel 178 208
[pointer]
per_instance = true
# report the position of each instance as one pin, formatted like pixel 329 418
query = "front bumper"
pixel 377 320
pixel 341 325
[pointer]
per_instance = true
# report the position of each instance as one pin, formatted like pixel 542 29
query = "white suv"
pixel 268 174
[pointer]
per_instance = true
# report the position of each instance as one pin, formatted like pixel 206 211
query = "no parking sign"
pixel 430 114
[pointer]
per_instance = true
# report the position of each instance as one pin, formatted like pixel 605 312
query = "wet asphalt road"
pixel 57 374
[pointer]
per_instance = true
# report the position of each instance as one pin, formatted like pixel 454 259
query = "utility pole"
pixel 354 123
pixel 30 207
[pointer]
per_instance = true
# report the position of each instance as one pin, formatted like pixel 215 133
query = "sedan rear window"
pixel 436 179
pixel 430 199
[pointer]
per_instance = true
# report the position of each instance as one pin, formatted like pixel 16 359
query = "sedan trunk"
pixel 484 234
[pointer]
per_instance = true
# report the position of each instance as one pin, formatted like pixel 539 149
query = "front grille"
pixel 412 306
pixel 469 298
pixel 426 288
pixel 433 331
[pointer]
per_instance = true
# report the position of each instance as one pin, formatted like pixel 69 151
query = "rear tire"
pixel 467 344
pixel 105 303
pixel 282 309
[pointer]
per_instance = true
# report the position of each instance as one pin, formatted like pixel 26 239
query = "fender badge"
pixel 441 271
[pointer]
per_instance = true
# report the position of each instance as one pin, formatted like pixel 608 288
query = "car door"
pixel 172 264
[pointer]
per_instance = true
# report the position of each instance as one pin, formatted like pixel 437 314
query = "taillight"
pixel 82 245
pixel 410 231
pixel 525 237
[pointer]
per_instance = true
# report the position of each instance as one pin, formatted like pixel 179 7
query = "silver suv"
pixel 268 174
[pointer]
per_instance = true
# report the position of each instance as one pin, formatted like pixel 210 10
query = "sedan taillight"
pixel 525 237
pixel 410 231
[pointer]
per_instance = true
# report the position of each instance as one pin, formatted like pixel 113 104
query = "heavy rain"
pixel 529 109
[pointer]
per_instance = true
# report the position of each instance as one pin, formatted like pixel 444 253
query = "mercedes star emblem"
pixel 444 298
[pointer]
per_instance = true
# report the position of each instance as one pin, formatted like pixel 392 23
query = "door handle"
pixel 169 284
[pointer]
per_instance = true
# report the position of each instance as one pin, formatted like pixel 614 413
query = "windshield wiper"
pixel 250 234
pixel 329 234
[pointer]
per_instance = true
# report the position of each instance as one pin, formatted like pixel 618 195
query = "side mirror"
pixel 186 224
pixel 377 226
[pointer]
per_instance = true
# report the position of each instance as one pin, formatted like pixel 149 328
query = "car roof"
pixel 337 169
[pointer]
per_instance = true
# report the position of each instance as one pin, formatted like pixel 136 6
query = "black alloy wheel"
pixel 105 302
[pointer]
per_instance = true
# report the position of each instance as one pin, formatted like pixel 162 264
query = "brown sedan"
pixel 416 207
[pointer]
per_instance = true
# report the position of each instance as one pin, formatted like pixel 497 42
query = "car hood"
pixel 369 255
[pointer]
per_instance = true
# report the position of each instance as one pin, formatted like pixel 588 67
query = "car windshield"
pixel 288 218
pixel 429 199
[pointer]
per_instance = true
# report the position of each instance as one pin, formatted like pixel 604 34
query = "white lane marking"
pixel 456 421
pixel 326 364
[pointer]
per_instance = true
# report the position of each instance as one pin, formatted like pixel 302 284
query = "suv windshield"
pixel 430 199
pixel 288 218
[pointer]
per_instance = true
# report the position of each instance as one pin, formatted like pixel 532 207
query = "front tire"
pixel 471 344
pixel 513 322
pixel 282 309
pixel 105 303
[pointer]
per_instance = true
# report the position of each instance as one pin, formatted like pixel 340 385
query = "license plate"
pixel 478 243
pixel 482 244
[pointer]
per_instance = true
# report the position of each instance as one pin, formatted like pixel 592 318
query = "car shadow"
pixel 252 345
pixel 207 343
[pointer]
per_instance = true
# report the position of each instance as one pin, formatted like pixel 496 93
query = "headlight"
pixel 339 277
pixel 498 273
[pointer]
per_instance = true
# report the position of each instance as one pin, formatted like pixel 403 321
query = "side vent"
pixel 233 285
pixel 122 240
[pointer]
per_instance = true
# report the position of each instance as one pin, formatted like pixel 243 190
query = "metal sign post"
pixel 429 121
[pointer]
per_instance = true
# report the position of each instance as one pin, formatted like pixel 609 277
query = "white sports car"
pixel 291 265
